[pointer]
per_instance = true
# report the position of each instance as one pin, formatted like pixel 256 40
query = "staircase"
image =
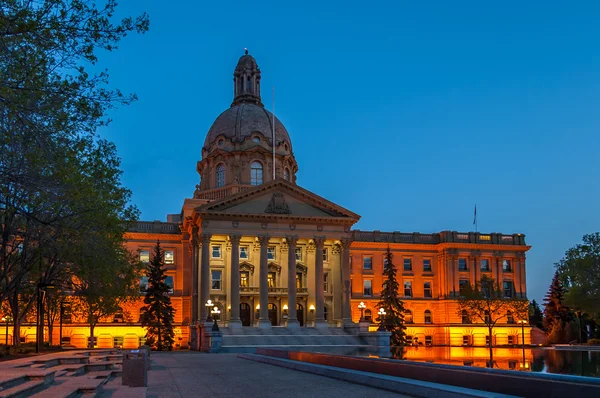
pixel 330 340
pixel 72 374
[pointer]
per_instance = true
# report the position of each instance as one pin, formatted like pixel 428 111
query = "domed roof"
pixel 246 61
pixel 240 121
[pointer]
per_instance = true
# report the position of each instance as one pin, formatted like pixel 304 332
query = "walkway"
pixel 182 374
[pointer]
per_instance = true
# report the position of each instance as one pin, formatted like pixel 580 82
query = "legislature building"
pixel 269 253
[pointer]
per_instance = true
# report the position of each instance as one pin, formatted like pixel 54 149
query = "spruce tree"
pixel 391 303
pixel 159 313
pixel 535 315
pixel 556 314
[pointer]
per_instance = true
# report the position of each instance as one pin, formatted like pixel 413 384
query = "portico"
pixel 273 255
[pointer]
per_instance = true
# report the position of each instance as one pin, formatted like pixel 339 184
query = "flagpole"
pixel 475 218
pixel 273 106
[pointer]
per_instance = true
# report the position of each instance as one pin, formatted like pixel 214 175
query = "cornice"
pixel 152 236
pixel 439 246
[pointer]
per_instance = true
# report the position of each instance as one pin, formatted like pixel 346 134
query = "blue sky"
pixel 407 113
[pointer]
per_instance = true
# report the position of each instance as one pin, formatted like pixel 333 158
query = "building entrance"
pixel 245 314
pixel 300 314
pixel 273 314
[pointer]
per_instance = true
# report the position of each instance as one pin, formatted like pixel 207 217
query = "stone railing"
pixel 155 227
pixel 246 289
pixel 221 193
pixel 442 237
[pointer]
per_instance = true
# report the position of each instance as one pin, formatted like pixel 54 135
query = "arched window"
pixel 220 175
pixel 428 318
pixel 408 317
pixel 249 84
pixel 286 174
pixel 465 317
pixel 368 315
pixel 256 173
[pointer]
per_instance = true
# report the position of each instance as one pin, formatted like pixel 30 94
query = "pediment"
pixel 278 199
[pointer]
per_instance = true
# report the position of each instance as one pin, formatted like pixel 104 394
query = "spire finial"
pixel 246 51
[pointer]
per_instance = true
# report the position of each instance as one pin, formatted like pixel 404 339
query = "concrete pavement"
pixel 182 374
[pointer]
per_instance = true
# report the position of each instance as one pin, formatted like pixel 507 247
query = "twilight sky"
pixel 407 113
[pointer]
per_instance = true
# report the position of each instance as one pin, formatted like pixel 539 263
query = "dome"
pixel 246 62
pixel 240 121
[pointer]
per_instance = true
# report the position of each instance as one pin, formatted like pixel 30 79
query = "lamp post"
pixel 5 319
pixel 381 314
pixel 209 305
pixel 62 311
pixel 362 307
pixel 215 312
pixel 523 322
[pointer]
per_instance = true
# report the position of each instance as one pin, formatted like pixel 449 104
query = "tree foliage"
pixel 579 271
pixel 158 312
pixel 391 303
pixel 557 314
pixel 60 184
pixel 536 317
pixel 485 302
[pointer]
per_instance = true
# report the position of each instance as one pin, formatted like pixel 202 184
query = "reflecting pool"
pixel 577 363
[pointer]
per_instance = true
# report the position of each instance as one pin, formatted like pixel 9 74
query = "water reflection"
pixel 579 363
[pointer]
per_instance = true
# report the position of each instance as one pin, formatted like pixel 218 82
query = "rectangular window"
pixel 271 252
pixel 298 280
pixel 118 341
pixel 487 340
pixel 466 340
pixel 244 252
pixel 508 289
pixel 169 257
pixel 512 365
pixel 407 264
pixel 407 289
pixel 216 251
pixel 462 264
pixel 427 265
pixel 367 263
pixel 463 284
pixel 506 266
pixel 409 340
pixel 427 290
pixel 216 279
pixel 271 279
pixel 145 256
pixel 325 278
pixel 428 340
pixel 143 284
pixel 511 339
pixel 244 277
pixel 298 254
pixel 367 292
pixel 325 254
pixel 485 265
pixel 385 262
pixel 169 282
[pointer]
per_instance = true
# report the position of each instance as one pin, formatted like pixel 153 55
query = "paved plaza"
pixel 181 374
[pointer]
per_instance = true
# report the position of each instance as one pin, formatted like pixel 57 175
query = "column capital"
pixel 235 239
pixel 291 239
pixel 319 241
pixel 346 242
pixel 264 240
pixel 205 238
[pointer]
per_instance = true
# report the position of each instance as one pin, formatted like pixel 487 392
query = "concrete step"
pixel 328 349
pixel 71 387
pixel 25 389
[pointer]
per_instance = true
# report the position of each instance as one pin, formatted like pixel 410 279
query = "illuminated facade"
pixel 269 253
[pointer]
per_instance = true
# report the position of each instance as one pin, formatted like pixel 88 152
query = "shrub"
pixel 594 342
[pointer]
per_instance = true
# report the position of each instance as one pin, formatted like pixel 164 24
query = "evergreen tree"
pixel 159 312
pixel 393 306
pixel 535 315
pixel 556 314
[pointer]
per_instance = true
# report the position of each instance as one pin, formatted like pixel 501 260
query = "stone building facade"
pixel 269 253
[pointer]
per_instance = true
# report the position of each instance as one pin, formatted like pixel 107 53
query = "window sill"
pixel 367 271
pixel 428 272
pixel 463 270
pixel 408 273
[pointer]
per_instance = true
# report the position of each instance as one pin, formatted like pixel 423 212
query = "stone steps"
pixel 277 331
pixel 24 389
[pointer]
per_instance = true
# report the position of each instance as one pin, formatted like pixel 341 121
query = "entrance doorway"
pixel 245 314
pixel 300 313
pixel 273 314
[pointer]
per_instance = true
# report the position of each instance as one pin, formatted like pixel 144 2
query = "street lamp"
pixel 209 305
pixel 215 312
pixel 381 314
pixel 523 322
pixel 362 307
pixel 7 320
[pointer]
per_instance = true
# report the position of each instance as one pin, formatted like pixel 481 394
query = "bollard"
pixel 135 368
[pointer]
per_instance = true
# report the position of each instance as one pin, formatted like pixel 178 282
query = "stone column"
pixel 320 321
pixel 292 321
pixel 195 276
pixel 345 264
pixel 235 322
pixel 205 276
pixel 263 320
